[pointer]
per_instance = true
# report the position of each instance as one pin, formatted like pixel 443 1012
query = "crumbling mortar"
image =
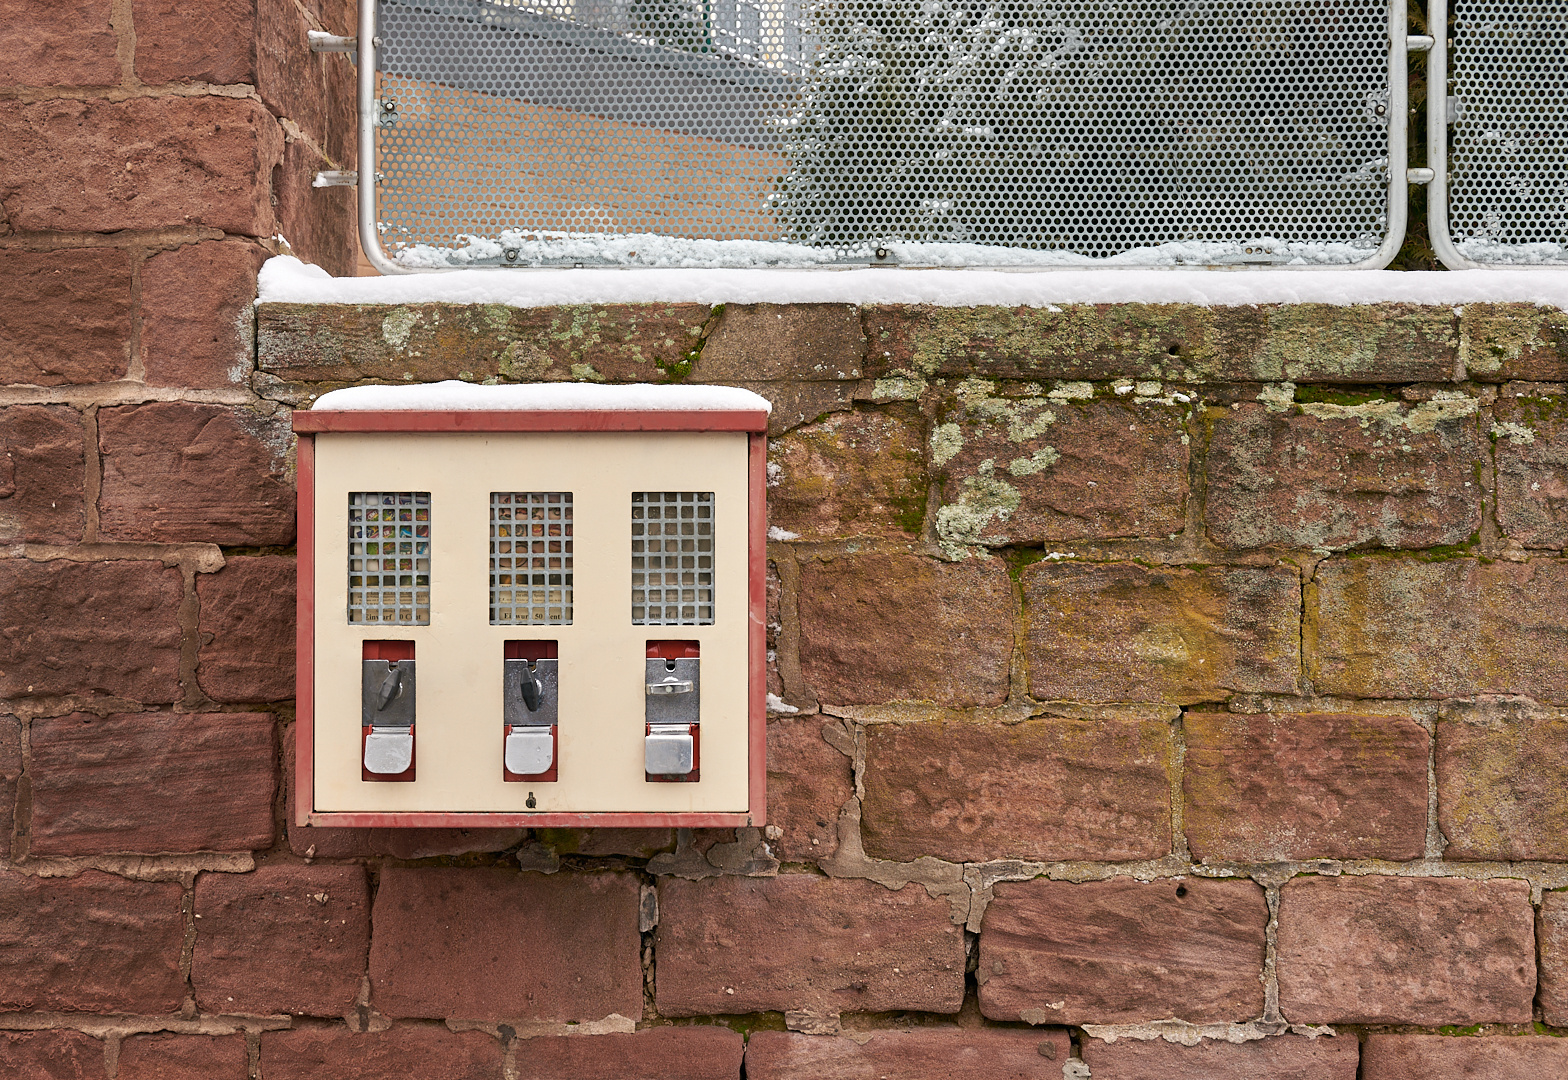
pixel 119 1025
pixel 252 1055
pixel 150 239
pixel 1435 842
pixel 193 698
pixel 22 813
pixel 1178 781
pixel 136 364
pixel 122 21
pixel 27 95
pixel 166 868
pixel 787 643
pixel 92 478
pixel 195 558
pixel 111 1054
pixel 123 392
pixel 1270 973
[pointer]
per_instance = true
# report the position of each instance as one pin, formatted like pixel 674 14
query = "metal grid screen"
pixel 672 558
pixel 925 132
pixel 389 557
pixel 531 558
pixel 1508 134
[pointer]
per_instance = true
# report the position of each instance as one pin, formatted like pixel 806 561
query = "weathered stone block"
pixel 802 942
pixel 1500 793
pixel 184 1057
pixel 281 939
pixel 495 944
pixel 319 222
pixel 1551 931
pixel 688 1052
pixel 1044 789
pixel 65 316
pixel 247 629
pixel 1302 342
pixel 82 628
pixel 68 43
pixel 1409 628
pixel 429 1053
pixel 808 782
pixel 315 90
pixel 428 342
pixel 146 163
pixel 198 322
pixel 1532 469
pixel 211 42
pixel 1334 476
pixel 92 943
pixel 916 1054
pixel 1389 950
pixel 1288 1057
pixel 42 474
pixel 797 342
pixel 877 628
pixel 176 471
pixel 1125 632
pixel 1504 342
pixel 850 474
pixel 1276 787
pixel 638 843
pixel 52 1055
pixel 1036 470
pixel 1122 951
pixel 1440 1057
pixel 153 782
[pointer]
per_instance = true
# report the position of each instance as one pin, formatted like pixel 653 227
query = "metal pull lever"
pixel 672 685
pixel 391 688
pixel 530 687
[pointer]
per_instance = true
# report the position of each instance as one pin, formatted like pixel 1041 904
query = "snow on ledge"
pixel 453 396
pixel 286 280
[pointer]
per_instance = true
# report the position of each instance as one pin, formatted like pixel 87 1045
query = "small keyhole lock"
pixel 672 712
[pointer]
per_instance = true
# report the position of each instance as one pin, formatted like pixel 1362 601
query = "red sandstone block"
pixel 153 782
pixel 247 630
pixel 918 1054
pixel 61 43
pixel 93 943
pixel 1288 1057
pixel 282 939
pixel 146 163
pixel 877 628
pixel 1036 471
pixel 1439 1057
pixel 1387 950
pixel 1551 929
pixel 801 942
pixel 1044 789
pixel 213 42
pixel 1122 951
pixel 404 1051
pixel 10 773
pixel 198 322
pixel 664 1053
pixel 82 628
pixel 1532 469
pixel 176 472
pixel 65 316
pixel 1124 632
pixel 319 222
pixel 42 474
pixel 1500 793
pixel 1394 476
pixel 808 783
pixel 784 342
pixel 51 1055
pixel 315 90
pixel 1277 786
pixel 496 945
pixel 183 1057
pixel 850 474
pixel 1408 628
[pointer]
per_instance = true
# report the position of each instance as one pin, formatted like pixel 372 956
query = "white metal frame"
pixel 1400 45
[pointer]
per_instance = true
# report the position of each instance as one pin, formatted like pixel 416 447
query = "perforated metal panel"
pixel 1507 113
pixel 672 558
pixel 949 132
pixel 389 557
pixel 531 558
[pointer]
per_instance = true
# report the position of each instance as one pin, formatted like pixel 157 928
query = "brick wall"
pixel 1147 670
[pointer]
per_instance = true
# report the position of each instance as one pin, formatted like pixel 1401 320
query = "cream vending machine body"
pixel 532 605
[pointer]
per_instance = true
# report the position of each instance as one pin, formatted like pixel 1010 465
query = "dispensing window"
pixel 545 691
